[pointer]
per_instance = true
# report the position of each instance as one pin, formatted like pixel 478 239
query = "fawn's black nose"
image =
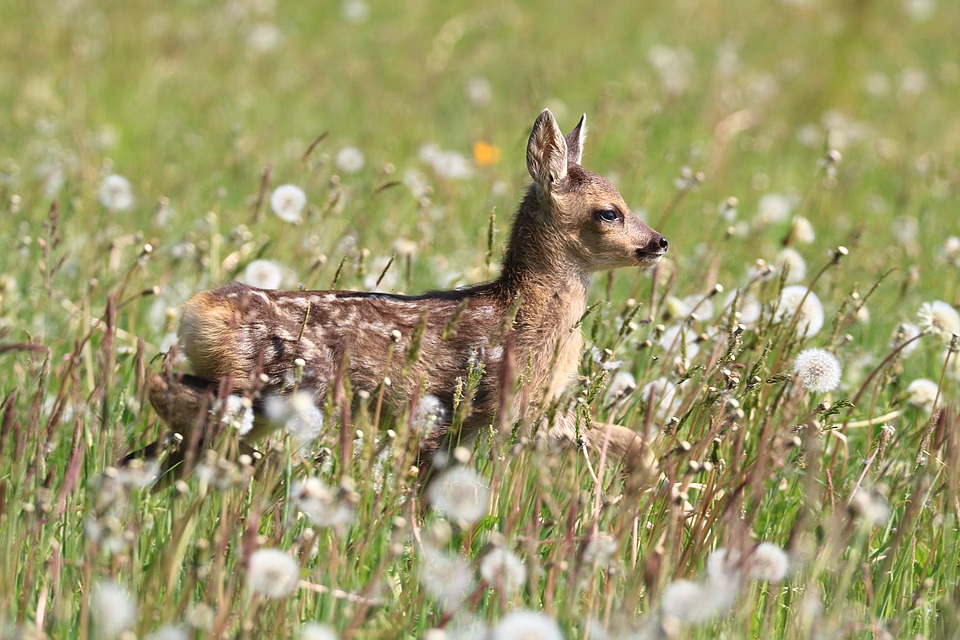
pixel 657 244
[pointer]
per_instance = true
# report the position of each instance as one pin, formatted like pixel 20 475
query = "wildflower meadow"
pixel 792 363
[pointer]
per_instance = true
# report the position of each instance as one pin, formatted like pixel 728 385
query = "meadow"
pixel 803 159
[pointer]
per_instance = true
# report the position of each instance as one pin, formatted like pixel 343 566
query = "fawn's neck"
pixel 552 291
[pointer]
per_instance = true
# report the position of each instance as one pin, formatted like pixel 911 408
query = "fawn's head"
pixel 580 215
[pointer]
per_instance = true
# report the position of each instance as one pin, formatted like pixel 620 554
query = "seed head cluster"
pixel 818 370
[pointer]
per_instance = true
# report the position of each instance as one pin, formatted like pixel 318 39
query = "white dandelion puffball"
pixel 747 306
pixel 663 395
pixel 113 609
pixel 622 385
pixel 940 319
pixel 288 201
pixel 871 506
pixel 772 208
pixel 904 334
pixel 323 505
pixel 796 267
pixel 273 573
pixel 526 625
pixel 688 601
pixel 818 370
pixel 316 631
pixel 479 91
pixel 355 11
pixel 238 414
pixel 350 160
pixel 459 494
pixel 298 414
pixel 446 577
pixel 809 316
pixel 431 412
pixel 115 193
pixel 803 230
pixel 502 569
pixel 768 563
pixel 921 393
pixel 168 632
pixel 263 274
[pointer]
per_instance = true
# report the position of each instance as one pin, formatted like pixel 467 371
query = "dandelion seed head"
pixel 792 262
pixel 298 414
pixel 115 193
pixel 768 563
pixel 951 250
pixel 921 393
pixel 288 201
pixel 264 37
pixel 445 576
pixel 350 160
pixel 803 230
pixel 688 601
pixel 263 274
pixel 450 165
pixel 622 385
pixel 355 11
pixel 478 91
pixel 663 394
pixel 600 550
pixel 323 505
pixel 809 315
pixel 748 306
pixel 526 625
pixel 502 569
pixel 680 339
pixel 168 632
pixel 272 573
pixel 818 370
pixel 316 631
pixel 940 319
pixel 773 208
pixel 871 506
pixel 460 494
pixel 430 413
pixel 905 333
pixel 113 609
pixel 237 414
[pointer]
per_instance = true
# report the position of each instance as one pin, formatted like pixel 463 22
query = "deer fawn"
pixel 522 327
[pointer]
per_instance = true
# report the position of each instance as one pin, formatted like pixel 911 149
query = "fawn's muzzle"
pixel 653 250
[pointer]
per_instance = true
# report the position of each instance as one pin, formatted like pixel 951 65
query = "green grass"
pixel 173 96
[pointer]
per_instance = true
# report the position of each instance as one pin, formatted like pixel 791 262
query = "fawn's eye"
pixel 607 215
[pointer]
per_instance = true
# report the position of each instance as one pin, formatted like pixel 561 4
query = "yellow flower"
pixel 485 153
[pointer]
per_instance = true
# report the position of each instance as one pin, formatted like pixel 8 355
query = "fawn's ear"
pixel 546 152
pixel 575 140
